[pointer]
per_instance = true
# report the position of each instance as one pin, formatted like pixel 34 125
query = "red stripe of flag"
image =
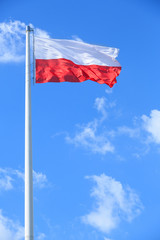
pixel 64 70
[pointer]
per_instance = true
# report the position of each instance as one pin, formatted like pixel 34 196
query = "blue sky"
pixel 95 149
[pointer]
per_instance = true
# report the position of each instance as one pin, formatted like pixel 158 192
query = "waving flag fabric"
pixel 75 61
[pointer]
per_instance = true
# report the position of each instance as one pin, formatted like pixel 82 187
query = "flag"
pixel 75 61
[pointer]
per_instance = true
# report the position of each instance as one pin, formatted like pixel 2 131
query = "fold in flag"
pixel 75 61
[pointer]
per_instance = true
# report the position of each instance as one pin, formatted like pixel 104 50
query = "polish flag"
pixel 75 61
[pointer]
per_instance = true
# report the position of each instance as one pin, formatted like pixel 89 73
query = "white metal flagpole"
pixel 29 235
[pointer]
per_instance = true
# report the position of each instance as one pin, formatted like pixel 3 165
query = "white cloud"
pixel 76 38
pixel 87 137
pixel 131 132
pixel 152 125
pixel 12 40
pixel 109 90
pixel 8 178
pixel 100 104
pixel 9 229
pixel 13 230
pixel 17 173
pixel 94 137
pixel 149 124
pixel 6 183
pixel 39 179
pixel 41 236
pixel 41 33
pixel 114 203
pixel 5 180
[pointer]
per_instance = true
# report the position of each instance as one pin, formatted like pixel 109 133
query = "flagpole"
pixel 29 235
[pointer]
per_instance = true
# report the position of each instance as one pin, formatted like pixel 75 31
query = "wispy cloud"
pixel 12 40
pixel 106 238
pixel 89 135
pixel 113 203
pixel 76 38
pixel 131 132
pixel 40 179
pixel 145 128
pixel 6 181
pixel 88 138
pixel 9 177
pixel 146 124
pixel 109 90
pixel 151 124
pixel 94 137
pixel 9 229
pixel 101 106
pixel 41 236
pixel 40 33
pixel 13 230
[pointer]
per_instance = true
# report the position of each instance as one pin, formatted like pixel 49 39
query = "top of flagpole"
pixel 28 28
